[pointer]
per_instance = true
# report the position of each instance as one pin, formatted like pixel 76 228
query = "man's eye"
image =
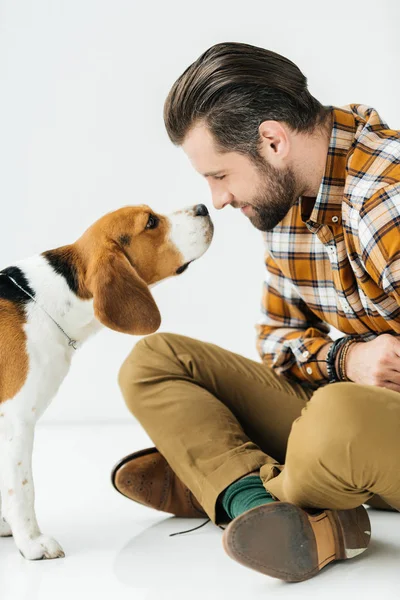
pixel 152 222
pixel 220 177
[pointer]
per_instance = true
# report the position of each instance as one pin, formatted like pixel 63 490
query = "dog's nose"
pixel 201 210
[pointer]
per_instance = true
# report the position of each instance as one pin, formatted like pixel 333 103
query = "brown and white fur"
pixel 102 279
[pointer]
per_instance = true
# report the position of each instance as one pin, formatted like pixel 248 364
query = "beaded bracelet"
pixel 342 359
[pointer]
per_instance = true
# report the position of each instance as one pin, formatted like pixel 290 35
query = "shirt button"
pixel 335 219
pixel 306 353
pixel 309 370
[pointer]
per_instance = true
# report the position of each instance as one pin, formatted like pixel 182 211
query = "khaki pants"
pixel 217 416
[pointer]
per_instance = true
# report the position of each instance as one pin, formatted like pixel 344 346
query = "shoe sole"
pixel 281 540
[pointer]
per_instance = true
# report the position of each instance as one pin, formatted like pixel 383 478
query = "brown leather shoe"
pixel 284 541
pixel 147 478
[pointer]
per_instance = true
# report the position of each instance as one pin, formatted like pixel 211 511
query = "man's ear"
pixel 274 142
pixel 121 299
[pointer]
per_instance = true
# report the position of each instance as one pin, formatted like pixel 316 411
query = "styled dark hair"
pixel 233 88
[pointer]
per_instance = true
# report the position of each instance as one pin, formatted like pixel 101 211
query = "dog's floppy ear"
pixel 121 299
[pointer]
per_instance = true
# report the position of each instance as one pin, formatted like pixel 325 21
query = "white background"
pixel 82 87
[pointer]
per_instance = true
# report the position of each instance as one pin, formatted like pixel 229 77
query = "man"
pixel 288 450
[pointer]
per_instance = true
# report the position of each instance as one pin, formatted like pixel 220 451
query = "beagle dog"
pixel 50 304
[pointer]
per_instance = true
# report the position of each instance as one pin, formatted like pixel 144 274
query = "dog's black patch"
pixel 8 289
pixel 125 239
pixel 63 264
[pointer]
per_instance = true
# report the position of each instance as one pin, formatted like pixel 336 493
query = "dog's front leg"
pixel 5 529
pixel 17 490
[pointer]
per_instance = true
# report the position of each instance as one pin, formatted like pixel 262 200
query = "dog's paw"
pixel 41 547
pixel 5 529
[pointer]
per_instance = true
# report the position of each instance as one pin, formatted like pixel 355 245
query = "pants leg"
pixel 213 414
pixel 343 449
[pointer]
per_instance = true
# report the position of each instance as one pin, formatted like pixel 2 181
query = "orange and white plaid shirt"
pixel 335 260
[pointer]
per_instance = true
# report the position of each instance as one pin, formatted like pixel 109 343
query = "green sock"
pixel 243 495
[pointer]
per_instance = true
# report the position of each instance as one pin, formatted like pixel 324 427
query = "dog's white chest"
pixel 48 365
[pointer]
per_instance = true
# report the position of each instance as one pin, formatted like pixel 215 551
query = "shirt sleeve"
pixel 289 334
pixel 378 247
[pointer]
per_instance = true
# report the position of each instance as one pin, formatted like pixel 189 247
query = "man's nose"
pixel 220 200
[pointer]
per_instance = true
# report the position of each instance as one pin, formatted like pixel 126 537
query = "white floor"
pixel 116 549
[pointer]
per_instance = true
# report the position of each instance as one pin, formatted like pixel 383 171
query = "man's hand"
pixel 376 362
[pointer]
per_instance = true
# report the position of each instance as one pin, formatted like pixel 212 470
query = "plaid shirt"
pixel 335 260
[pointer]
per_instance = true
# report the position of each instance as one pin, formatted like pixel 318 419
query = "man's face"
pixel 263 193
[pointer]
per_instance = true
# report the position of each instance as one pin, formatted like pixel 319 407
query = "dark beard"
pixel 273 200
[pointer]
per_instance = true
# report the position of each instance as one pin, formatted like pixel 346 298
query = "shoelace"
pixel 194 529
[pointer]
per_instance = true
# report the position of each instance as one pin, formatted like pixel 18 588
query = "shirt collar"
pixel 346 121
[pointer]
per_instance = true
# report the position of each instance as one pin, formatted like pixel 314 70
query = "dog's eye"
pixel 152 222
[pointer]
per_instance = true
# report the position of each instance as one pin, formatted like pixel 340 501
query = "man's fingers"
pixel 392 376
pixel 391 386
pixel 389 366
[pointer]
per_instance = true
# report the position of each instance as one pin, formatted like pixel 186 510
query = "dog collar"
pixel 71 342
